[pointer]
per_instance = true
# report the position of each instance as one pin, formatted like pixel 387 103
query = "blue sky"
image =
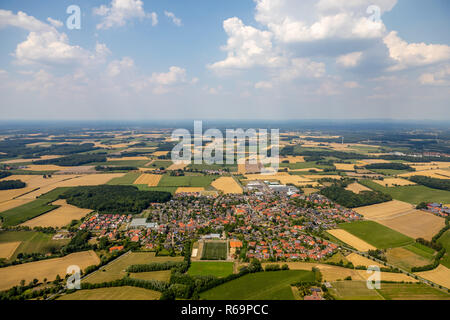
pixel 234 59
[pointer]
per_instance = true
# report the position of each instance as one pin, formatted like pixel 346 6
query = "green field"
pixel 205 166
pixel 127 179
pixel 421 250
pixel 273 285
pixel 116 269
pixel 411 291
pixel 411 194
pixel 115 293
pixel 161 164
pixel 144 187
pixel 121 163
pixel 376 234
pixel 218 269
pixel 32 242
pixel 163 275
pixel 214 251
pixel 353 290
pixel 389 172
pixel 32 209
pixel 445 241
pixel 186 181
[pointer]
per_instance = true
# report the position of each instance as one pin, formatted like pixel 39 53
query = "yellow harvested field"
pixel 11 276
pixel 415 224
pixel 147 169
pixel 227 185
pixel 59 217
pixel 73 181
pixel 174 166
pixel 385 209
pixel 151 180
pixel 44 167
pixel 283 177
pixel 438 174
pixel 429 166
pixel 371 161
pixel 357 188
pixel 394 182
pixel 160 153
pixel 7 249
pixel 13 203
pixel 359 260
pixel 345 166
pixel 309 191
pixel 387 276
pixel 440 275
pixel 402 217
pixel 189 189
pixel 127 158
pixel 351 240
pixel 321 176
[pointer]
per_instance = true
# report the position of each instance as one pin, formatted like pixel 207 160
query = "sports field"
pixel 214 250
pixel 376 234
pixel 115 293
pixel 218 269
pixel 259 286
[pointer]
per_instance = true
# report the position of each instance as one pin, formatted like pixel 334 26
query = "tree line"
pixel 12 184
pixel 434 183
pixel 74 160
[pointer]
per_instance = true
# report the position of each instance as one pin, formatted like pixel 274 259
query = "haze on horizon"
pixel 236 59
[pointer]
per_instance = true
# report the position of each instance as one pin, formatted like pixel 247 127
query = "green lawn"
pixel 376 234
pixel 186 181
pixel 127 179
pixel 32 209
pixel 411 194
pixel 218 269
pixel 411 291
pixel 445 241
pixel 273 285
pixel 214 251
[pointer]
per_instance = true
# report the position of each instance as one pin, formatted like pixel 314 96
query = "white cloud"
pixel 55 23
pixel 175 75
pixel 116 67
pixel 351 85
pixel 438 78
pixel 46 45
pixel 119 12
pixel 263 85
pixel 350 60
pixel 246 47
pixel 172 16
pixel 414 54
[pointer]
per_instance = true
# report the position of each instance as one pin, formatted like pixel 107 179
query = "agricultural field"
pixel 353 290
pixel 59 217
pixel 356 187
pixel 445 241
pixel 127 179
pixel 359 260
pixel 440 275
pixel 218 269
pixel 163 275
pixel 394 182
pixel 7 249
pixel 405 258
pixel 227 185
pixel 376 234
pixel 402 217
pixel 283 177
pixel 49 269
pixel 114 293
pixel 274 285
pixel 351 240
pixel 151 180
pixel 438 174
pixel 411 194
pixel 411 291
pixel 186 181
pixel 116 269
pixel 160 164
pixel 189 189
pixel 344 167
pixel 214 250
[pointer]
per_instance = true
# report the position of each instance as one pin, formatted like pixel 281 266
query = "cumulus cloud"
pixel 246 47
pixel 438 78
pixel 46 45
pixel 119 12
pixel 174 19
pixel 349 60
pixel 117 67
pixel 414 54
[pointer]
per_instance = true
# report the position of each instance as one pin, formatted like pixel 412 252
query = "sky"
pixel 217 59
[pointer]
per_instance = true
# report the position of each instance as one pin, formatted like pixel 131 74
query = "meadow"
pixel 273 285
pixel 218 269
pixel 445 241
pixel 376 234
pixel 412 194
pixel 411 291
pixel 186 181
pixel 114 293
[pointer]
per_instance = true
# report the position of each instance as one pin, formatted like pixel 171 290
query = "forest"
pixel 74 160
pixel 12 184
pixel 350 199
pixel 434 183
